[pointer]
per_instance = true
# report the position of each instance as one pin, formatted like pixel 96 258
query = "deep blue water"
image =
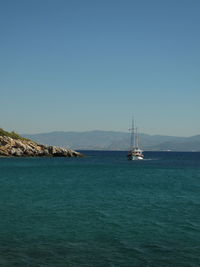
pixel 102 210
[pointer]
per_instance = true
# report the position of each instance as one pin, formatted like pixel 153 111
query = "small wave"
pixel 150 159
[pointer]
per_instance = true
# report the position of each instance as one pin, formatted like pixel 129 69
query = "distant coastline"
pixel 116 141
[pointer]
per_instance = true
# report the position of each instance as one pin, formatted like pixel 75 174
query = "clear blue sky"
pixel 77 65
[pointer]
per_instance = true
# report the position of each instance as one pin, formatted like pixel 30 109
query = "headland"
pixel 14 145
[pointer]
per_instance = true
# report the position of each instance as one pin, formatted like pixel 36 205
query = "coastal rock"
pixel 28 148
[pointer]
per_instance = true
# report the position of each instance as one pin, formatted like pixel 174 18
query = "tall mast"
pixel 133 134
pixel 137 137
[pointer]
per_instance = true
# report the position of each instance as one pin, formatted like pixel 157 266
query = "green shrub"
pixel 12 134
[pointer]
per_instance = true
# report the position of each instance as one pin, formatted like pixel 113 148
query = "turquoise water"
pixel 102 210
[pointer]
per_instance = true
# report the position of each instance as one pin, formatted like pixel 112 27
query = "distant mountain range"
pixel 110 140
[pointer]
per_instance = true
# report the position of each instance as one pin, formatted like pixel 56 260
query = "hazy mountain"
pixel 109 140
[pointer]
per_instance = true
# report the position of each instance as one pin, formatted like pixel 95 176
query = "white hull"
pixel 138 158
pixel 135 157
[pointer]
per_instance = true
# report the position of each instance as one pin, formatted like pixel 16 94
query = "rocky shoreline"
pixel 10 147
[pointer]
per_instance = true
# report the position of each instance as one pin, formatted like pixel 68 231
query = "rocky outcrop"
pixel 28 148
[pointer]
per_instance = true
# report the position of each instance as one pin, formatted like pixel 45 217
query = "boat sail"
pixel 135 152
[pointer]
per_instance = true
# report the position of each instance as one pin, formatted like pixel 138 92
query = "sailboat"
pixel 135 152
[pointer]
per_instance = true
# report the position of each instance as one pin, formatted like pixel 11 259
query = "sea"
pixel 101 210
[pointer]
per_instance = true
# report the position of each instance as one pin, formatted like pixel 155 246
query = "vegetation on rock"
pixel 12 134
